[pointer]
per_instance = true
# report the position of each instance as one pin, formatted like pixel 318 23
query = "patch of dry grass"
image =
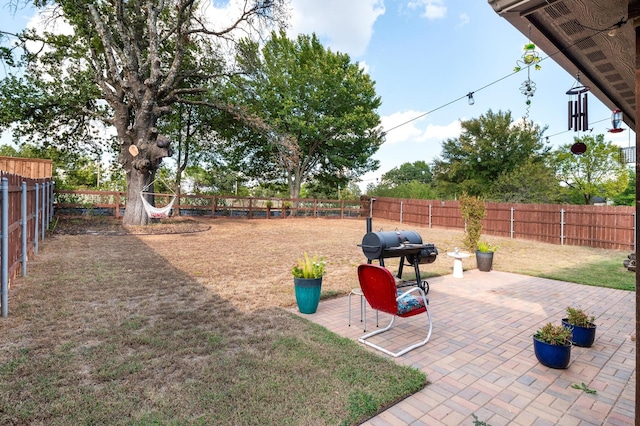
pixel 112 328
pixel 257 255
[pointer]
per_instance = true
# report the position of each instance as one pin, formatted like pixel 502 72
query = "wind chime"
pixel 578 113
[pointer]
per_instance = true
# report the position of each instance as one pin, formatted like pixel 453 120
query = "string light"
pixel 471 100
pixel 469 95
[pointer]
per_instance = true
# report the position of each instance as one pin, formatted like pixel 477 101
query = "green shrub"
pixel 554 334
pixel 473 211
pixel 579 317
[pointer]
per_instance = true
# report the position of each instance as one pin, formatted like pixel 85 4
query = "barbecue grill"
pixel 407 245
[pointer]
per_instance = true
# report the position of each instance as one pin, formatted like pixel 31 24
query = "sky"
pixel 425 56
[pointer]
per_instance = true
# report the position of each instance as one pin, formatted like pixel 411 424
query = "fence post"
pixel 401 206
pixel 23 223
pixel 52 186
pixel 43 203
pixel 5 246
pixel 117 211
pixel 49 194
pixel 430 213
pixel 561 227
pixel 36 219
pixel 512 221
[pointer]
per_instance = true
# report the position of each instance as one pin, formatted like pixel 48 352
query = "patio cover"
pixel 600 40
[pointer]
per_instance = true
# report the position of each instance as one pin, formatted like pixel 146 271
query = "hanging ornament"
pixel 616 121
pixel 579 148
pixel 529 58
pixel 578 107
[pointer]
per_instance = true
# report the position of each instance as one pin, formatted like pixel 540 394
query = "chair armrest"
pixel 413 290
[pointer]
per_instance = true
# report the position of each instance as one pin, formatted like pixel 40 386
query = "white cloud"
pixel 47 20
pixel 344 26
pixel 463 20
pixel 432 9
pixel 364 67
pixel 404 127
pixel 441 133
pixel 219 16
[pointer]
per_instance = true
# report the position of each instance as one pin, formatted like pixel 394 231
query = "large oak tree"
pixel 126 63
pixel 318 107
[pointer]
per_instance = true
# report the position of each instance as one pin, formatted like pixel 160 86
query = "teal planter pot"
pixel 307 294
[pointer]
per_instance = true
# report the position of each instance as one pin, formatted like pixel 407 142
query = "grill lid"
pixel 376 245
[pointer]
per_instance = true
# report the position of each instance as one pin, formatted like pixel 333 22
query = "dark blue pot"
pixel 581 336
pixel 552 356
pixel 307 294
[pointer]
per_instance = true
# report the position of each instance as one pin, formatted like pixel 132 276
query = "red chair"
pixel 379 288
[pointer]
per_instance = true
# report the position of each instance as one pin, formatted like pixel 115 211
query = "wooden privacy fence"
pixel 113 203
pixel 27 210
pixel 593 226
pixel 606 227
pixel 32 168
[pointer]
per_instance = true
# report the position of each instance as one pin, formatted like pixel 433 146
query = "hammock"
pixel 152 211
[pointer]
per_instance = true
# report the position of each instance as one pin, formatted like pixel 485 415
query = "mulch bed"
pixel 106 225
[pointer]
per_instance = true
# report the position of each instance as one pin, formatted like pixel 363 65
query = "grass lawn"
pixel 197 328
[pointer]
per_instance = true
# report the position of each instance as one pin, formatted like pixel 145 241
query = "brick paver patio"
pixel 480 358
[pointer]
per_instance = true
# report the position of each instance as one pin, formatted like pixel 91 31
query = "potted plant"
pixel 583 329
pixel 484 255
pixel 552 345
pixel 307 281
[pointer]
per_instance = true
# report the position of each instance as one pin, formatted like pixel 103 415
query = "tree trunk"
pixel 294 180
pixel 135 214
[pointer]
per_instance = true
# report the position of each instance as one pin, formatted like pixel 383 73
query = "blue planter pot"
pixel 581 336
pixel 307 294
pixel 552 356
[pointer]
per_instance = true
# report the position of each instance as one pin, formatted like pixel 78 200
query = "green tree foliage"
pixel 597 172
pixel 628 196
pixel 488 146
pixel 191 128
pixel 71 170
pixel 532 182
pixel 318 107
pixel 217 179
pixel 321 190
pixel 412 190
pixel 125 65
pixel 418 171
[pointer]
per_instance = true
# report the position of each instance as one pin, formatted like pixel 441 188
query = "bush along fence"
pixel 609 227
pixel 113 203
pixel 27 211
